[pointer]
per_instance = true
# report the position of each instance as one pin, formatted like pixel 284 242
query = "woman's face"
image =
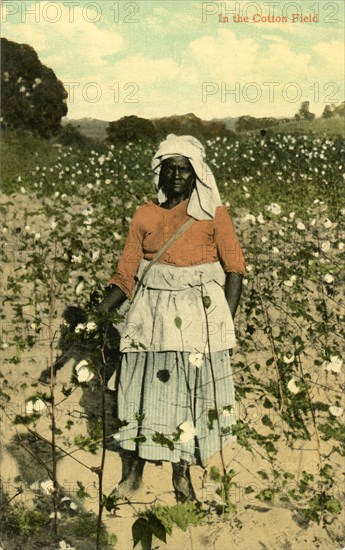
pixel 177 177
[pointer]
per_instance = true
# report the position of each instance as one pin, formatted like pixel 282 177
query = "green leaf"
pixel 206 300
pixel 66 391
pixel 267 421
pixel 214 474
pixel 178 322
pixel 138 528
pixel 179 516
pixel 161 439
pixel 141 532
pixel 333 505
pixel 262 474
pixel 157 528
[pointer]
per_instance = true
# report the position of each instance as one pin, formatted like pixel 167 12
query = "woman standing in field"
pixel 181 268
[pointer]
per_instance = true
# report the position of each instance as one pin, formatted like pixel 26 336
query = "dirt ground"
pixel 254 525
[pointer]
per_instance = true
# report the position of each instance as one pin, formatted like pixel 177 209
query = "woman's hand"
pixel 113 299
pixel 233 290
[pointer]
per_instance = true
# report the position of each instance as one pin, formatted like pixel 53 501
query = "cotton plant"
pixel 288 354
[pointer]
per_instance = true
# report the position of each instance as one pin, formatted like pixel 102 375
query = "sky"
pixel 154 58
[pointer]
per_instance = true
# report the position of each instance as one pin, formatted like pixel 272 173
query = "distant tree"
pixel 32 97
pixel 339 110
pixel 328 112
pixel 70 136
pixel 245 123
pixel 304 113
pixel 130 129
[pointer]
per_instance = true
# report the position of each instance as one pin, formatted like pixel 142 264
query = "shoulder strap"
pixel 160 253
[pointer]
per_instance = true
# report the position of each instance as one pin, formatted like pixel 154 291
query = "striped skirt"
pixel 175 405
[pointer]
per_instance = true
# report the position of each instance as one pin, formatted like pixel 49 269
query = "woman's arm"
pixel 233 290
pixel 113 299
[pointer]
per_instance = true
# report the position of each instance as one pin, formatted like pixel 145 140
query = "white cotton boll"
pixel 326 246
pixel 275 250
pixel 34 406
pixel 53 225
pixel 301 226
pixel 107 181
pixel 23 190
pixel 79 288
pixel 249 218
pixel 95 255
pixel 47 487
pixel 328 278
pixel 79 328
pixel 335 411
pixel 292 215
pixel 327 223
pixel 313 222
pixel 52 516
pixel 288 359
pixel 117 236
pixel 260 218
pixel 288 283
pixel 341 246
pixel 292 386
pixel 264 239
pixel 334 365
pixel 196 359
pixel 274 208
pixel 188 432
pixel 84 374
pixel 90 326
pixel 76 259
pixel 247 195
pixel 73 506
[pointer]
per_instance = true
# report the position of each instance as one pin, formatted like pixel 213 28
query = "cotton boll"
pixel 335 411
pixel 292 386
pixel 196 359
pixel 188 432
pixel 328 278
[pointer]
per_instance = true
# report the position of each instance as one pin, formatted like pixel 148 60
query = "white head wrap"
pixel 205 196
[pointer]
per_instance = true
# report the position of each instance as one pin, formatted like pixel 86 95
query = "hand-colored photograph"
pixel 172 267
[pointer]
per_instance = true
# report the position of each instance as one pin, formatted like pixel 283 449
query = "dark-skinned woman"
pixel 175 368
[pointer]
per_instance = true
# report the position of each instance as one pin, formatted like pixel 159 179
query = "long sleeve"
pixel 130 259
pixel 228 246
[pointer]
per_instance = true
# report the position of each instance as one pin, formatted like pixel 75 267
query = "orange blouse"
pixel 206 241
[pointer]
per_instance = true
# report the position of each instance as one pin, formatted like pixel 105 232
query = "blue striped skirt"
pixel 176 405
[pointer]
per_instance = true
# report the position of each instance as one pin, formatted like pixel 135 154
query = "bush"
pixel 32 97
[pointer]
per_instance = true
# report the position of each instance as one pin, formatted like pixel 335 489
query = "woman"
pixel 175 389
